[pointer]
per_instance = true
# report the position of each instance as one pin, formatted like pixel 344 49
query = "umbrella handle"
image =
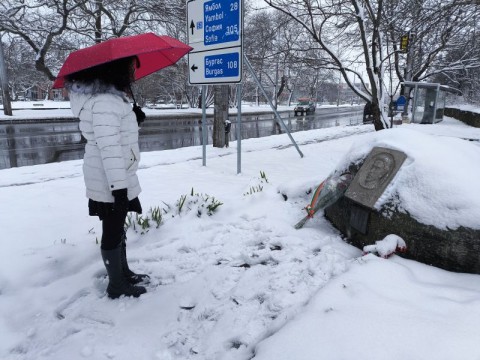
pixel 137 109
pixel 133 96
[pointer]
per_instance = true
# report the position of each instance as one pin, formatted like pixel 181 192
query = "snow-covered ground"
pixel 242 283
pixel 469 107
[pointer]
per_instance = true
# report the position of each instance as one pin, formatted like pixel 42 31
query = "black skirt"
pixel 102 210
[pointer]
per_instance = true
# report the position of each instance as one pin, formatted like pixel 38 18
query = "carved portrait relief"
pixel 371 180
pixel 377 172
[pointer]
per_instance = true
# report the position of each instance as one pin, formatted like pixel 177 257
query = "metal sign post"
pixel 277 115
pixel 215 32
pixel 204 126
pixel 239 128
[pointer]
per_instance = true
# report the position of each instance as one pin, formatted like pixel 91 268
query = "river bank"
pixel 28 110
pixel 41 140
pixel 34 111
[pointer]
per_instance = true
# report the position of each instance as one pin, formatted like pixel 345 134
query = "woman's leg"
pixel 113 230
pixel 111 249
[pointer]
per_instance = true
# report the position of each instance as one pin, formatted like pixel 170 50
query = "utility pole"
pixel 7 106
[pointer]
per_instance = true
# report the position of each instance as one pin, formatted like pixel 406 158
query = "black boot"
pixel 118 285
pixel 130 276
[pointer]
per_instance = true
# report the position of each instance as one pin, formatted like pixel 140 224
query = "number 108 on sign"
pixel 222 65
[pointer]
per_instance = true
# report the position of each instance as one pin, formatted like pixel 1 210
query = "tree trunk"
pixel 283 83
pixel 377 116
pixel 98 22
pixel 221 94
pixel 7 106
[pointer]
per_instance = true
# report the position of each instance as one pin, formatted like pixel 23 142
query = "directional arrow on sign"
pixel 192 26
pixel 194 67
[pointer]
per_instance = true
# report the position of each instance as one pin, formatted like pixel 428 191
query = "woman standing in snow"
pixel 98 97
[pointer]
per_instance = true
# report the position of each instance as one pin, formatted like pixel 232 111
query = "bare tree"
pixel 436 29
pixel 39 24
pixel 259 35
pixel 52 28
pixel 367 33
pixel 349 32
pixel 22 74
pixel 465 78
pixel 283 57
pixel 103 19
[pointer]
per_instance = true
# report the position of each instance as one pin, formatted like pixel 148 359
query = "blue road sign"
pixel 221 21
pixel 400 103
pixel 215 32
pixel 222 65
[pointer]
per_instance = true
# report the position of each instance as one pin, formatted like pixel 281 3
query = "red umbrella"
pixel 154 52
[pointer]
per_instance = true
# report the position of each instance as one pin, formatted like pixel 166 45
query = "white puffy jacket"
pixel 111 154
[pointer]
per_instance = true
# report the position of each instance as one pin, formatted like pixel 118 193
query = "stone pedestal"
pixel 355 216
pixel 454 250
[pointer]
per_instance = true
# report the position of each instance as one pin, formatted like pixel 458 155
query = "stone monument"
pixel 379 168
pixel 357 218
pixel 371 180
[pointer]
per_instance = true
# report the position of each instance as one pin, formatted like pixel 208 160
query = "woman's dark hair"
pixel 117 73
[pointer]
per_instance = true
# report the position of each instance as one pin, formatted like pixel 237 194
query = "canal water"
pixel 33 142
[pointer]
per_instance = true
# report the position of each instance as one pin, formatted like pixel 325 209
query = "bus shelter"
pixel 429 101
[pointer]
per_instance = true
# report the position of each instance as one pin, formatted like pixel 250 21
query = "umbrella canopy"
pixel 154 52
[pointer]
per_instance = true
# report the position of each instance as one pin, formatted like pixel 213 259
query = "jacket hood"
pixel 80 93
pixel 77 100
